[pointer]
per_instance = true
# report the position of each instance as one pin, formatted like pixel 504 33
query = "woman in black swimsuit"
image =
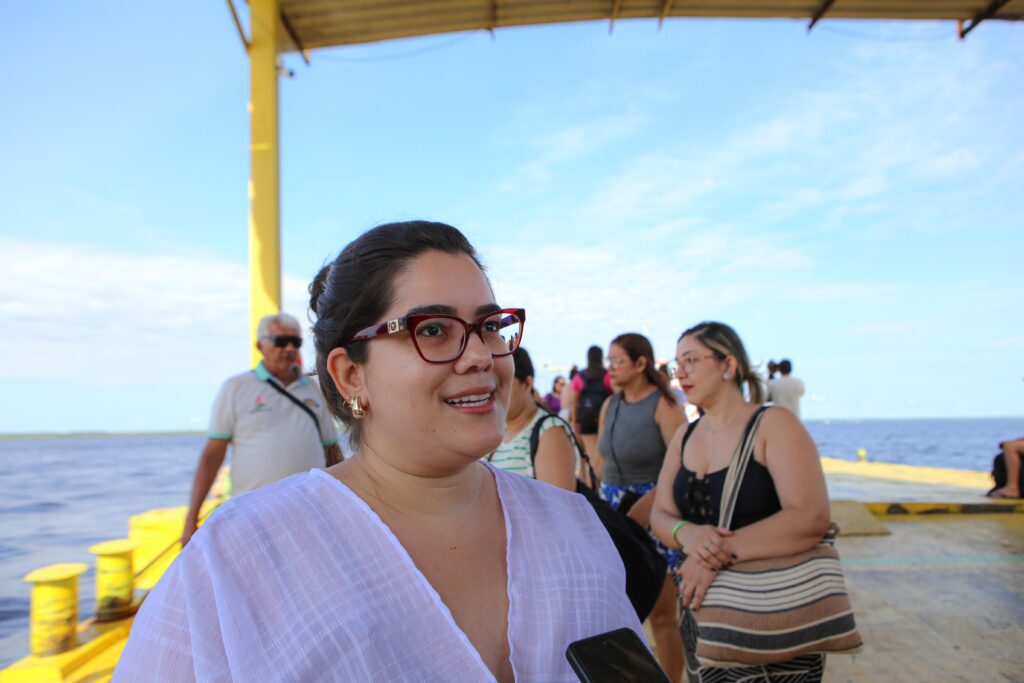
pixel 782 507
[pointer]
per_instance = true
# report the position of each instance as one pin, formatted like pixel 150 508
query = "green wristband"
pixel 675 530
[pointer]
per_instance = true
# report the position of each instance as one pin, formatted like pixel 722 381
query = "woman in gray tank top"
pixel 635 424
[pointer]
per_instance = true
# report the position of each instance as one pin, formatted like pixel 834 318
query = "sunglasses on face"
pixel 282 340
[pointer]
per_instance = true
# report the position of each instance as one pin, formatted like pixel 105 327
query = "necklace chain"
pixel 712 431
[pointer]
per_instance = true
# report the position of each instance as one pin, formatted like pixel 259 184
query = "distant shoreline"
pixel 96 435
pixel 100 434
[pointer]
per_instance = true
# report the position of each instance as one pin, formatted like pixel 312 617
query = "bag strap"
pixel 287 394
pixel 535 443
pixel 738 468
pixel 686 437
pixel 617 399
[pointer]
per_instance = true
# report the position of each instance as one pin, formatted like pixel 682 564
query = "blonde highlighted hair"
pixel 723 341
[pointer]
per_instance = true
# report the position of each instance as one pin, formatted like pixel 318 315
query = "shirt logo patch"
pixel 311 402
pixel 260 406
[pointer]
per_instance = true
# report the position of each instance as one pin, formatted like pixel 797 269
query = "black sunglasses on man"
pixel 282 340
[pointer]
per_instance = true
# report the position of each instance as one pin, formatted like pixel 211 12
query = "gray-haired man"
pixel 273 416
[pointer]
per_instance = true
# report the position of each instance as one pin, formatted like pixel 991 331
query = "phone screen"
pixel 615 657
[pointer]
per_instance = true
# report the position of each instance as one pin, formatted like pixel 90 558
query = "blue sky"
pixel 850 199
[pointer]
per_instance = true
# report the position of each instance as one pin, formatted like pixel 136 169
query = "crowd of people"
pixel 448 544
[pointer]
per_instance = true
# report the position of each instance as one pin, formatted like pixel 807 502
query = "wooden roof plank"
pixel 329 23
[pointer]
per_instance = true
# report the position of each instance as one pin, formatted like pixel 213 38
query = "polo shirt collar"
pixel 264 375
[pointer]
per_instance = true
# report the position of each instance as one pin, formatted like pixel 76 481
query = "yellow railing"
pixel 66 650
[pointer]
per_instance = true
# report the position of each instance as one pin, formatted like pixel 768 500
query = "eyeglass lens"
pixel 283 340
pixel 687 364
pixel 444 339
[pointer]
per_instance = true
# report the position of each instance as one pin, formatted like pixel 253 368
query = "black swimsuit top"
pixel 699 498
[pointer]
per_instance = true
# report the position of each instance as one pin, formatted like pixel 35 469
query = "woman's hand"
pixel 189 531
pixel 709 545
pixel 696 578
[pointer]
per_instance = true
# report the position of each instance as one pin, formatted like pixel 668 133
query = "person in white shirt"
pixel 412 559
pixel 786 390
pixel 258 413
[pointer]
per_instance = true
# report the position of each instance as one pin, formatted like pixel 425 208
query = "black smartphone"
pixel 618 656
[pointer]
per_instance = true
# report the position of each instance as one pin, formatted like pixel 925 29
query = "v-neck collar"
pixel 429 589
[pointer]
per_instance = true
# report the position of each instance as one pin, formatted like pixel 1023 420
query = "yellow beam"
pixel 914 474
pixel 983 506
pixel 238 24
pixel 264 181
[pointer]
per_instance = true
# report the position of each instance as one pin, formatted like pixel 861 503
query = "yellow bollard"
pixel 54 611
pixel 115 590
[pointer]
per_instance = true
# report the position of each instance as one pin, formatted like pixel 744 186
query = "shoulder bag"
pixel 645 567
pixel 767 611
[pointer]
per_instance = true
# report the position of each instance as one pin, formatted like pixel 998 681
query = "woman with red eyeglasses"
pixel 411 560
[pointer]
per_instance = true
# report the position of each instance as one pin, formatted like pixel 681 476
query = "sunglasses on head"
pixel 283 340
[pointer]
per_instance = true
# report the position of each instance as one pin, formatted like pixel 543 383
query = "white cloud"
pixel 845 153
pixel 1008 343
pixel 570 143
pixel 852 147
pixel 841 292
pixel 886 329
pixel 579 295
pixel 109 317
pixel 797 200
pixel 90 201
pixel 862 188
pixel 650 188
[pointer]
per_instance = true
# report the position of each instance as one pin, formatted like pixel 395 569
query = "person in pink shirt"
pixel 589 389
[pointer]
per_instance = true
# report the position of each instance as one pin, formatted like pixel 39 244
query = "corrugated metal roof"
pixel 327 23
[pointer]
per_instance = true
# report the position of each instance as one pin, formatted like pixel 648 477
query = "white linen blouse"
pixel 302 581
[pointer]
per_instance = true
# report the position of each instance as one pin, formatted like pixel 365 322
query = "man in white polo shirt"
pixel 275 418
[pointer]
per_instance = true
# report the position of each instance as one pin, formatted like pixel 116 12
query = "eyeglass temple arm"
pixel 386 327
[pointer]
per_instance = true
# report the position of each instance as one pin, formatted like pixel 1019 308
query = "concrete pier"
pixel 935 572
pixel 908 486
pixel 941 596
pixel 940 599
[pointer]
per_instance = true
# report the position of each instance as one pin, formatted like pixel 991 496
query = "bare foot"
pixel 1005 492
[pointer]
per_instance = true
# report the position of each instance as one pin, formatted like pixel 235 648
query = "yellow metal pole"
pixel 54 611
pixel 264 187
pixel 115 590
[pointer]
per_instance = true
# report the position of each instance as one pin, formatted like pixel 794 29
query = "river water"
pixel 61 495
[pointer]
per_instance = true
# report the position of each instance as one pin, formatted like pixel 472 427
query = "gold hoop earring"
pixel 358 411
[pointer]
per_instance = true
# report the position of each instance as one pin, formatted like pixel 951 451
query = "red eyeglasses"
pixel 442 338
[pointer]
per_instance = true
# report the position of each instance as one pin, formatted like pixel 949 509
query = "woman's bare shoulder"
pixel 780 421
